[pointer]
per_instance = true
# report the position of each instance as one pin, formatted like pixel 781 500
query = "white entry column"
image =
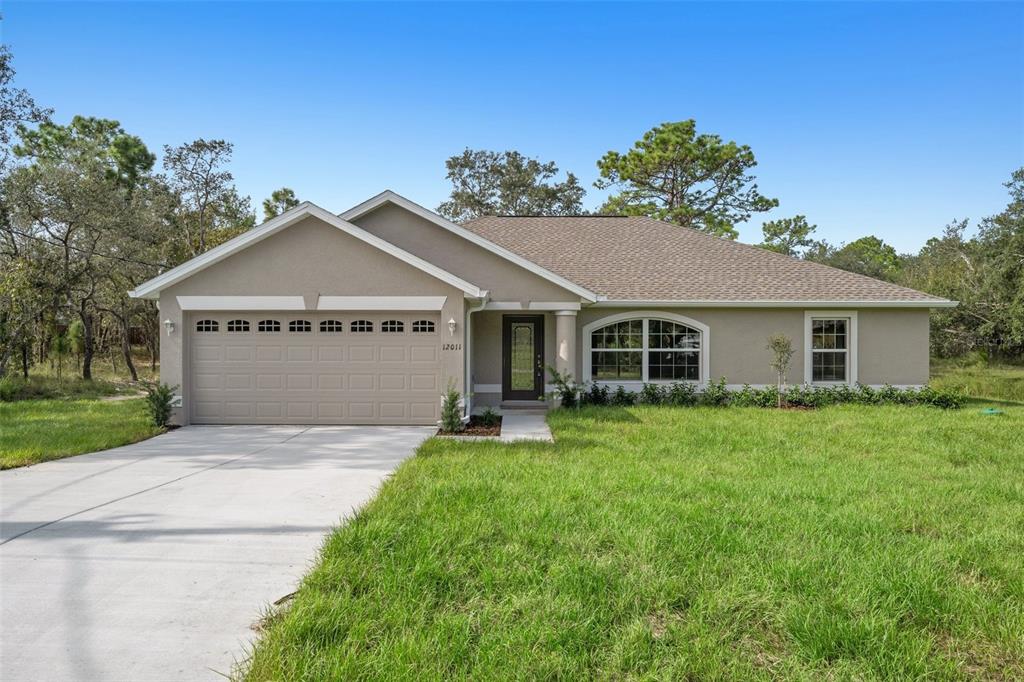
pixel 565 342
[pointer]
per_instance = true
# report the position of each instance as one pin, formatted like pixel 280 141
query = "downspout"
pixel 467 391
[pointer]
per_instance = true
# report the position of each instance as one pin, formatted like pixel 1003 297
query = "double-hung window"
pixel 831 344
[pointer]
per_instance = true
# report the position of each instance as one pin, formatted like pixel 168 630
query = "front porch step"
pixel 523 407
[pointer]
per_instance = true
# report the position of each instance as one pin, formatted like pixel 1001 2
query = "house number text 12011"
pixel 451 346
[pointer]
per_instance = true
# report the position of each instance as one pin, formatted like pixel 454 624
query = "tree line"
pixel 697 180
pixel 86 216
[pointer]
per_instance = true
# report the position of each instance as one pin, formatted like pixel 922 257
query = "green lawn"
pixel 845 543
pixel 33 431
pixel 994 381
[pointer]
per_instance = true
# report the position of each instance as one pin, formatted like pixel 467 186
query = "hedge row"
pixel 716 394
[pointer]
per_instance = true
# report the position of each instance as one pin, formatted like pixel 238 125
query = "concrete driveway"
pixel 153 561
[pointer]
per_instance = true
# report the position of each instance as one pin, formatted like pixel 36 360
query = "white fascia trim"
pixel 503 305
pixel 152 288
pixel 851 346
pixel 380 302
pixel 943 303
pixel 553 305
pixel 705 342
pixel 388 196
pixel 241 302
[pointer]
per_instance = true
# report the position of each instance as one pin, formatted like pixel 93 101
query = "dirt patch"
pixel 475 428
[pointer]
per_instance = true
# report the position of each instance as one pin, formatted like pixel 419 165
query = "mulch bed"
pixel 475 428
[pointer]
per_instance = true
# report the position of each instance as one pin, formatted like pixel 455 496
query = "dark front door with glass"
pixel 522 375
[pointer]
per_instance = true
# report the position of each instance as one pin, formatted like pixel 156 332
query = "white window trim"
pixel 647 315
pixel 851 345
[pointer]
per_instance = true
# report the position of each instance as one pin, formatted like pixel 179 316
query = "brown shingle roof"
pixel 639 258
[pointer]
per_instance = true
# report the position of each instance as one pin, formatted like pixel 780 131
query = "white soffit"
pixel 241 303
pixel 381 302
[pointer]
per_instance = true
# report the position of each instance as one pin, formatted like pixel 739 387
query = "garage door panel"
pixel 330 377
pixel 207 409
pixel 269 410
pixel 299 382
pixel 425 410
pixel 325 410
pixel 239 353
pixel 269 353
pixel 361 382
pixel 299 410
pixel 237 410
pixel 299 353
pixel 205 380
pixel 207 353
pixel 392 382
pixel 392 410
pixel 358 410
pixel 331 353
pixel 423 354
pixel 330 382
pixel 269 382
pixel 392 354
pixel 423 382
pixel 362 353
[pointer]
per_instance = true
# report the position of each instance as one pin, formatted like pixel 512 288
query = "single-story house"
pixel 368 316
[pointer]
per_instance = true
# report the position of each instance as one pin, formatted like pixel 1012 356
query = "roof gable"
pixel 152 288
pixel 529 264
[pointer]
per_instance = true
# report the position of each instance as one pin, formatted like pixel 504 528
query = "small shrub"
pixel 489 417
pixel 745 397
pixel 769 396
pixel 596 395
pixel 622 398
pixel 947 399
pixel 158 403
pixel 651 394
pixel 715 394
pixel 682 394
pixel 11 388
pixel 566 390
pixel 451 410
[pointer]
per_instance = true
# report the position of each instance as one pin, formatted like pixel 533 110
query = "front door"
pixel 522 357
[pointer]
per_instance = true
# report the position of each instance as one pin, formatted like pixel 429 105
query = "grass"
pixel 109 378
pixel 33 431
pixel 662 543
pixel 981 380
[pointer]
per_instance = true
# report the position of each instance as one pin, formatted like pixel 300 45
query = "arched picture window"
pixel 332 326
pixel 207 326
pixel 300 326
pixel 392 326
pixel 362 326
pixel 238 326
pixel 268 326
pixel 423 327
pixel 645 349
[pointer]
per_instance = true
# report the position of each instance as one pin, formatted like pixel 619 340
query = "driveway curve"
pixel 154 561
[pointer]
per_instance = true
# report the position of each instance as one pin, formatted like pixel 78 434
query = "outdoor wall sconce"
pixel 451 326
pixel 170 327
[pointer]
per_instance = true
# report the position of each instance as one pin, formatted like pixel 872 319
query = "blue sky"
pixel 870 118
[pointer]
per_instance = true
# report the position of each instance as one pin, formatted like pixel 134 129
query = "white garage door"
pixel 323 368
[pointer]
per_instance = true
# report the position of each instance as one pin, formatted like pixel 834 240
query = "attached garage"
pixel 295 367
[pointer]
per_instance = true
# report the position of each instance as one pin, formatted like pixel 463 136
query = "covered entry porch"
pixel 512 347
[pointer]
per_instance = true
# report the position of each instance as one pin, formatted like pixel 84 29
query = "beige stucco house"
pixel 366 317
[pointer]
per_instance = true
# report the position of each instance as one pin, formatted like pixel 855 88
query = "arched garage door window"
pixel 651 347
